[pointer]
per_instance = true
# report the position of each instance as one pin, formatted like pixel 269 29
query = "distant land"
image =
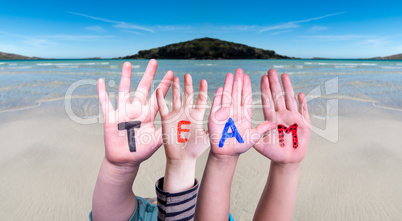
pixel 391 57
pixel 206 48
pixel 9 56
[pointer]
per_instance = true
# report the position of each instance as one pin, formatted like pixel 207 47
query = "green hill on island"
pixel 9 56
pixel 206 48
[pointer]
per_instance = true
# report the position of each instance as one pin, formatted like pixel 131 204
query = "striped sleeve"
pixel 176 206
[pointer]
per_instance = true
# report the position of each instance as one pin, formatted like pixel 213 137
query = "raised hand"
pixel 183 131
pixel 191 140
pixel 232 106
pixel 235 102
pixel 283 110
pixel 147 139
pixel 286 152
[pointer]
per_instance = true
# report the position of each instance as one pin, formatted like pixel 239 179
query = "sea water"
pixel 25 84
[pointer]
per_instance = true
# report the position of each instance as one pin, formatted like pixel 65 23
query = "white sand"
pixel 49 165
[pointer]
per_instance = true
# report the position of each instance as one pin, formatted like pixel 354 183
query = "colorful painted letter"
pixel 293 129
pixel 129 126
pixel 234 133
pixel 179 130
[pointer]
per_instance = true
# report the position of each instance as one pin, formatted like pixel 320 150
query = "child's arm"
pixel 184 140
pixel 278 198
pixel 233 102
pixel 113 197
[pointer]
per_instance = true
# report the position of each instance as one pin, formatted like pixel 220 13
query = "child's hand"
pixel 147 139
pixel 235 103
pixel 283 111
pixel 192 140
pixel 184 136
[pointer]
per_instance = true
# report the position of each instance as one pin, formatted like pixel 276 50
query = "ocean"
pixel 26 84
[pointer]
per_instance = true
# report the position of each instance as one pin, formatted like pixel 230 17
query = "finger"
pixel 237 87
pixel 146 82
pixel 303 110
pixel 202 97
pixel 158 140
pixel 247 96
pixel 227 90
pixel 176 94
pixel 104 101
pixel 188 91
pixel 217 99
pixel 276 90
pixel 125 81
pixel 290 99
pixel 266 99
pixel 164 87
pixel 163 109
pixel 261 128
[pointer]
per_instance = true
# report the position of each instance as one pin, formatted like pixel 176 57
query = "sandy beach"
pixel 49 166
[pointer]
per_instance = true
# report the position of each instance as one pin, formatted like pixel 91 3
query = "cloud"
pixel 124 25
pixel 134 32
pixel 96 28
pixel 284 26
pixel 347 37
pixel 294 24
pixel 240 28
pixel 370 40
pixel 38 42
pixel 280 32
pixel 376 42
pixel 119 24
pixel 174 27
pixel 66 37
pixel 317 28
pixel 29 40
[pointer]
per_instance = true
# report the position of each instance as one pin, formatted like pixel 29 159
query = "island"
pixel 9 56
pixel 391 57
pixel 206 49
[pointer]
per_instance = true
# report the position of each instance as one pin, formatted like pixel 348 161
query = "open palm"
pixel 235 102
pixel 192 143
pixel 282 110
pixel 147 138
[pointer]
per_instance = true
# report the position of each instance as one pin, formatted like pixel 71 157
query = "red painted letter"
pixel 293 129
pixel 179 130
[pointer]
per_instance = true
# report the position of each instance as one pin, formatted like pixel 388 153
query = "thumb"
pixel 261 129
pixel 163 109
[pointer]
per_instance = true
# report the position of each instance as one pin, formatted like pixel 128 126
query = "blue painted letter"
pixel 234 133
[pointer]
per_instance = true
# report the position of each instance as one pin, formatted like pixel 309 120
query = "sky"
pixel 83 29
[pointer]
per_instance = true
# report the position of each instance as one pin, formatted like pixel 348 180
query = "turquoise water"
pixel 29 83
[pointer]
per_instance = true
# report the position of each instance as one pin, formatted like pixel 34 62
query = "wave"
pixel 390 67
pixel 56 64
pixel 340 64
pixel 348 66
pixel 135 66
pixel 71 64
pixel 206 64
pixel 21 67
pixel 61 66
pixel 375 104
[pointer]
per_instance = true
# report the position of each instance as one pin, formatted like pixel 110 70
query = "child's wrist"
pixel 223 157
pixel 287 167
pixel 179 175
pixel 117 173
